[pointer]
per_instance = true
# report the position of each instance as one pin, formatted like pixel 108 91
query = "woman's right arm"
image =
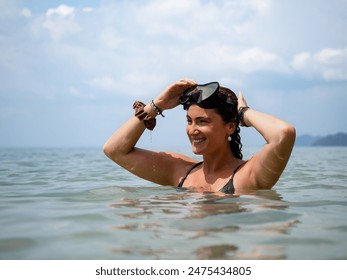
pixel 159 167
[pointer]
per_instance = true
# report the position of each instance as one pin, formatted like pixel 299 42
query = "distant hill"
pixel 306 140
pixel 338 139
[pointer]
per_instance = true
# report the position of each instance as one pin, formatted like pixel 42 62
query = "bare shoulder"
pixel 178 165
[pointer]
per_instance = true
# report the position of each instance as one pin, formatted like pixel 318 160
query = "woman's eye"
pixel 198 122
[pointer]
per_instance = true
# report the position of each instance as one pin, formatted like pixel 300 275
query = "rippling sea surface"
pixel 76 204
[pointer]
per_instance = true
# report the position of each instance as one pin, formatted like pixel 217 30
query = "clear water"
pixel 76 204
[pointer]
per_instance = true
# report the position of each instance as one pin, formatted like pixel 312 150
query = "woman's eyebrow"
pixel 199 118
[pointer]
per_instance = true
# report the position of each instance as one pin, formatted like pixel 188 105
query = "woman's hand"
pixel 241 101
pixel 169 98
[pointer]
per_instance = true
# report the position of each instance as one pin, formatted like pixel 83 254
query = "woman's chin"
pixel 197 150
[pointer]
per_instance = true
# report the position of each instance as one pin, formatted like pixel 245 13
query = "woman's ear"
pixel 231 126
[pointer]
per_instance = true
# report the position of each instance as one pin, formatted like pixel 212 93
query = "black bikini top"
pixel 228 188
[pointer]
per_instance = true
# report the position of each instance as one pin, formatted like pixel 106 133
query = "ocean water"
pixel 77 204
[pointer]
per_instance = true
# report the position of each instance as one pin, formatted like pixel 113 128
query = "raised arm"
pixel 158 167
pixel 266 167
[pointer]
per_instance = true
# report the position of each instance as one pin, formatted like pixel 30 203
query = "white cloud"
pixel 255 59
pixel 138 84
pixel 300 60
pixel 199 20
pixel 87 9
pixel 110 40
pixel 262 7
pixel 26 13
pixel 219 57
pixel 330 56
pixel 62 10
pixel 105 83
pixel 60 21
pixel 328 64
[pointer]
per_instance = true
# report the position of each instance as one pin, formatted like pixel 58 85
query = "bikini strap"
pixel 186 175
pixel 236 169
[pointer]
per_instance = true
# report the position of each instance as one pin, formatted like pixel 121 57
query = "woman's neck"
pixel 219 161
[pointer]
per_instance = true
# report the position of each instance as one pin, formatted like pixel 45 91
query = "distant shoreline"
pixel 333 140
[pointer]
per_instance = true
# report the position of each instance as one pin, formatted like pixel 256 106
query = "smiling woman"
pixel 213 117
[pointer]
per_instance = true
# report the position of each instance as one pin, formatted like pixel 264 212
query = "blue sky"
pixel 70 71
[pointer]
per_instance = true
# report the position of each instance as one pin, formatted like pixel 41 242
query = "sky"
pixel 71 70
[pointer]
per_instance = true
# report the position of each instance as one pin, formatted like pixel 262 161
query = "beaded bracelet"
pixel 156 109
pixel 149 121
pixel 242 111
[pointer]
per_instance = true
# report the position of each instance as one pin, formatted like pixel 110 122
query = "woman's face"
pixel 206 130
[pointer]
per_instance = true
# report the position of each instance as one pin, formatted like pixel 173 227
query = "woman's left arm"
pixel 266 167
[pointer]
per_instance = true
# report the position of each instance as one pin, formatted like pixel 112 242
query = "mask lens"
pixel 208 90
pixel 198 94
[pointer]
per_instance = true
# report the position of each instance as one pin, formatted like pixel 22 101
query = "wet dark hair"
pixel 229 113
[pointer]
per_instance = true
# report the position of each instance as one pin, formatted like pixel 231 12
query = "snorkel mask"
pixel 206 96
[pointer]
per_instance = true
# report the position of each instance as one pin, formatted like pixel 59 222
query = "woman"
pixel 213 117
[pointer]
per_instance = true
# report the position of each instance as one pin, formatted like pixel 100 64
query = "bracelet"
pixel 149 121
pixel 156 109
pixel 242 111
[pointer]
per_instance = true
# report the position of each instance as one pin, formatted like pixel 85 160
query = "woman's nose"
pixel 192 130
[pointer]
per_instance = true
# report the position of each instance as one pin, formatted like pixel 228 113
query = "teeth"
pixel 197 140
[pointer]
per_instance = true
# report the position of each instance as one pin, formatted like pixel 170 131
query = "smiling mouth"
pixel 197 141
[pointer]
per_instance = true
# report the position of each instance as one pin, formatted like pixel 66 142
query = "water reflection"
pixel 213 226
pixel 211 204
pixel 228 251
pixel 197 205
pixel 189 205
pixel 216 252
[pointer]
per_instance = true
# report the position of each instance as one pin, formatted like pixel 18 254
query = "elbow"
pixel 111 150
pixel 288 135
pixel 115 151
pixel 107 150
